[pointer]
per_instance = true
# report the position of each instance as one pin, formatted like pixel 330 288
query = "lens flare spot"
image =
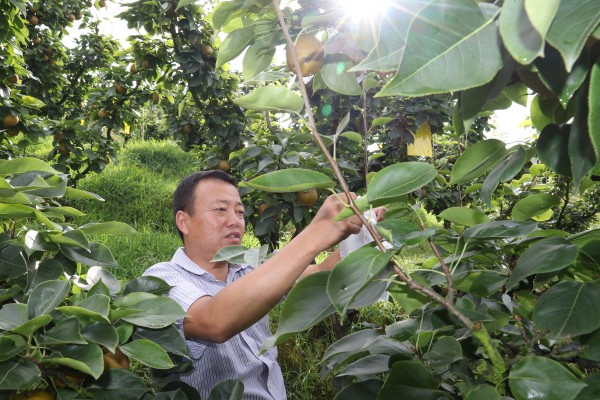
pixel 326 110
pixel 340 68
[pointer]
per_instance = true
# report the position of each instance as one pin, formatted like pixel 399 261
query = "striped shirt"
pixel 237 358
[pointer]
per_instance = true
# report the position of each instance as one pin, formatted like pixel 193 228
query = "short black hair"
pixel 183 197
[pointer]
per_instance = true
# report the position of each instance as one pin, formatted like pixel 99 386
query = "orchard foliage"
pixel 505 307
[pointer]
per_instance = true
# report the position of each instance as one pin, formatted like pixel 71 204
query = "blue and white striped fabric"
pixel 238 358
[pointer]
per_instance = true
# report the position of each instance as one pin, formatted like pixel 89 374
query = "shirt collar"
pixel 180 258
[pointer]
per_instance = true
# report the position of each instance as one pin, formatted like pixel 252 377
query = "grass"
pixel 137 189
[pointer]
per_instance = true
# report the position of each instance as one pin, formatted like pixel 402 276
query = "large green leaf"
pixel 410 380
pixel 477 160
pixel 18 375
pixel 499 230
pixel 360 390
pixel 547 255
pixel 354 274
pixel 107 228
pixel 486 392
pixel 46 297
pixel 168 338
pixel 464 216
pixel 533 205
pixel 306 304
pixel 64 332
pixel 102 333
pixel 12 262
pixel 118 383
pixel 553 148
pixel 541 13
pixel 72 193
pixel 581 149
pixel 271 98
pixel 258 57
pixel 403 233
pixel 521 39
pixel 503 171
pixel 336 76
pixel 534 378
pixel 289 180
pixel 230 389
pixel 574 22
pixel 444 40
pixel 367 366
pixel 85 358
pixel 24 164
pixel 148 353
pixel 594 105
pixel 10 346
pixel 149 284
pixel 156 313
pixel 234 44
pixel 394 181
pixel 568 309
pixel 350 346
pixel 99 255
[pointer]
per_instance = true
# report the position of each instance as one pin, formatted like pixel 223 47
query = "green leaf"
pixel 32 102
pixel 149 284
pixel 234 44
pixel 289 180
pixel 72 193
pixel 336 75
pixel 410 380
pixel 10 346
pixel 547 255
pixel 271 98
pixel 464 216
pixel 102 333
pixel 477 160
pixel 594 108
pixel 222 12
pixel 31 326
pixel 482 283
pixel 366 366
pixel 15 211
pixel 506 169
pixel 409 299
pixel 568 309
pixel 99 255
pixel 148 353
pixel 394 181
pixel 12 262
pixel 541 13
pixel 380 121
pixel 521 39
pixel 306 304
pixel 24 164
pixel 350 346
pixel 19 375
pixel 553 148
pixel 483 392
pixel 574 22
pixel 73 238
pixel 401 233
pixel 258 57
pixel 85 358
pixel 454 33
pixel 45 297
pixel 354 274
pixel 534 377
pixel 444 352
pixel 64 332
pixel 230 389
pixel 156 313
pixel 183 3
pixel 581 148
pixel 499 230
pixel 168 338
pixel 533 205
pixel 107 228
pixel 118 383
pixel 360 390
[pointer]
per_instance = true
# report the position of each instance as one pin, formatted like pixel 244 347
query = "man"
pixel 227 305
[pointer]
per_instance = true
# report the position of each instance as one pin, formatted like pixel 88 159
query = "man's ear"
pixel 181 220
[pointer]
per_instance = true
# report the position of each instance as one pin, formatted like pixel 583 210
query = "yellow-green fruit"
pixel 223 165
pixel 206 51
pixel 120 89
pixel 133 69
pixel 10 120
pixel 310 53
pixel 102 114
pixel 307 197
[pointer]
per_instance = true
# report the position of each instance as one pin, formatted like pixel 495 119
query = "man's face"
pixel 217 219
